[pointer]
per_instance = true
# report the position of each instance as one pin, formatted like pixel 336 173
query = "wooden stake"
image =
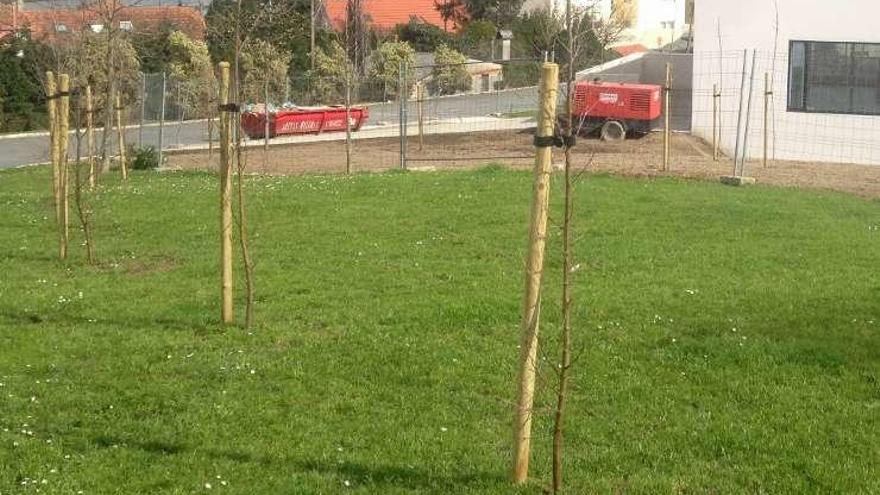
pixel 63 118
pixel 767 93
pixel 51 103
pixel 347 122
pixel 666 130
pixel 90 137
pixel 715 136
pixel 534 270
pixel 225 197
pixel 120 133
pixel 266 125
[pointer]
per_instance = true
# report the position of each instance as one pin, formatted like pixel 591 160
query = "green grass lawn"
pixel 727 339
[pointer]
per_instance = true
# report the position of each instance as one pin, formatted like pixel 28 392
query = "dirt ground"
pixel 690 157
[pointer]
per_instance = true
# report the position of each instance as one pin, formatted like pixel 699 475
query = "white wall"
pixel 648 28
pixel 652 16
pixel 751 24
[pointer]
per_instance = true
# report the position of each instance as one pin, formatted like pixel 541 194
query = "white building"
pixel 823 62
pixel 652 23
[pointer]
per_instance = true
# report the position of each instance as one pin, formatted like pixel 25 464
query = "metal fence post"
pixel 745 146
pixel 401 98
pixel 405 95
pixel 162 121
pixel 739 116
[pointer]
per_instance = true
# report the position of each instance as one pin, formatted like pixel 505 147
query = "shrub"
pixel 143 158
pixel 450 74
pixel 386 65
pixel 421 36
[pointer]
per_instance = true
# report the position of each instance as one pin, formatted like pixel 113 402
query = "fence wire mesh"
pixel 821 106
pixel 421 116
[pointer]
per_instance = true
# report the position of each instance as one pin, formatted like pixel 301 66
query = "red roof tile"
pixel 625 50
pixel 383 15
pixel 6 16
pixel 54 24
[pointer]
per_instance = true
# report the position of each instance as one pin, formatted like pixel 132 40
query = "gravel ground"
pixel 690 157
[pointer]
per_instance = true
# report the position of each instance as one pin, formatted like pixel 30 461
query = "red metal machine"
pixel 301 120
pixel 616 108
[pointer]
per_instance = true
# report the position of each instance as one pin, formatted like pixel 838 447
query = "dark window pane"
pixel 832 77
pixel 797 63
pixel 866 78
pixel 828 77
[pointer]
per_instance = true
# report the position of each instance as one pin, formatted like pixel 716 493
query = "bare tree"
pixel 356 35
pixel 83 208
pixel 578 26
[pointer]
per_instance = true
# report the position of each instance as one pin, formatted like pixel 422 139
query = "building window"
pixel 832 77
pixel 97 28
pixel 60 28
pixel 126 25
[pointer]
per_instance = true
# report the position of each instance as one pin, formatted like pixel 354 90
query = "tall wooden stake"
pixel 51 103
pixel 63 117
pixel 534 270
pixel 348 121
pixel 666 130
pixel 266 125
pixel 767 93
pixel 225 197
pixel 120 137
pixel 90 136
pixel 715 136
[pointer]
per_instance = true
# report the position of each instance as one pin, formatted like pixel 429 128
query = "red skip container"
pixel 302 120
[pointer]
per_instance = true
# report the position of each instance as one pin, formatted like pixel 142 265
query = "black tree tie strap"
pixel 228 107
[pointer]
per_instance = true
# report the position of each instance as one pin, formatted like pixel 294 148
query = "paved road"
pixel 18 150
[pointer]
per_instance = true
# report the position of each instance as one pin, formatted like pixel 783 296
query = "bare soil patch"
pixel 691 158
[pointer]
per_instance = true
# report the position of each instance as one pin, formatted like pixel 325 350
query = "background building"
pixel 823 66
pixel 651 23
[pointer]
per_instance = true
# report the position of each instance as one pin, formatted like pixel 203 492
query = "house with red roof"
pixel 57 24
pixel 383 15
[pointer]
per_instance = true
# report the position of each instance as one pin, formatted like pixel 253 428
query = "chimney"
pixel 16 8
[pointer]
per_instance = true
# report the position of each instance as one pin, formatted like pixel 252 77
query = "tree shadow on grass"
pixel 374 475
pixel 402 476
pixel 59 319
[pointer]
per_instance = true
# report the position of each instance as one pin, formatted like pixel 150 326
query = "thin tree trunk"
pixel 243 243
pixel 565 365
pixel 242 207
pixel 120 130
pixel 90 137
pixel 82 209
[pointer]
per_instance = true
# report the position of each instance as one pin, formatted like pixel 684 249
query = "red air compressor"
pixel 615 108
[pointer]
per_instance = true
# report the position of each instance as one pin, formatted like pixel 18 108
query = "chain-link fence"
pixel 419 116
pixel 819 102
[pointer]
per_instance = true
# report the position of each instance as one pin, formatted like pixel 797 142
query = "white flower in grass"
pixel 444 429
pixel 346 483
